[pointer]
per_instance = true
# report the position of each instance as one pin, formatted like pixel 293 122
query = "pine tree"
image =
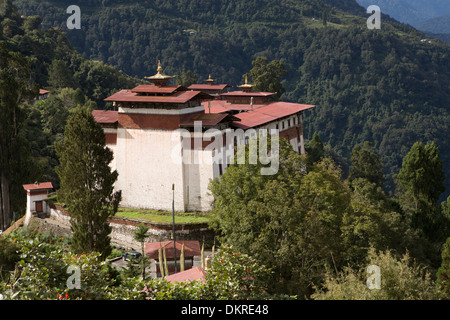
pixel 60 76
pixel 186 78
pixel 314 149
pixel 266 76
pixel 422 174
pixel 87 182
pixel 422 180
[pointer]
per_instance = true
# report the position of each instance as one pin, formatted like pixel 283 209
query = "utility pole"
pixel 173 228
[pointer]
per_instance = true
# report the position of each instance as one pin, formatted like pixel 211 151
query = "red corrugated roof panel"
pixel 268 113
pixel 260 114
pixel 156 89
pixel 248 94
pixel 177 97
pixel 191 249
pixel 196 273
pixel 208 86
pixel 207 119
pixel 38 186
pixel 102 116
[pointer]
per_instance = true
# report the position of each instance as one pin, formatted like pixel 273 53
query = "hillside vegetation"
pixel 412 12
pixel 54 64
pixel 387 86
pixel 439 24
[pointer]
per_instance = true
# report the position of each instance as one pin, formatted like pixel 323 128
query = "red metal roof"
pixel 156 89
pixel 268 113
pixel 102 116
pixel 220 106
pixel 208 86
pixel 42 91
pixel 259 115
pixel 207 119
pixel 38 186
pixel 196 273
pixel 248 94
pixel 177 97
pixel 191 249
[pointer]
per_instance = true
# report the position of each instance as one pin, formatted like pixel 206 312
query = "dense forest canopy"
pixel 387 86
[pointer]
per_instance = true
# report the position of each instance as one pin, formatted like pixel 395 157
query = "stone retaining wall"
pixel 58 222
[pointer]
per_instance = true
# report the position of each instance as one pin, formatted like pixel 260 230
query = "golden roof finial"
pixel 210 80
pixel 160 78
pixel 246 87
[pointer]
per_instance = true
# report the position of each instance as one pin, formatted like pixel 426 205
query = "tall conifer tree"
pixel 87 182
pixel 422 174
pixel 16 166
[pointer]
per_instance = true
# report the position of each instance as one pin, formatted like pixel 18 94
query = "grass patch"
pixel 163 216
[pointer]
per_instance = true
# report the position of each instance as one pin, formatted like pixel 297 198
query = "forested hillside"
pixel 438 27
pixel 307 232
pixel 47 60
pixel 428 16
pixel 386 86
pixel 439 24
pixel 410 11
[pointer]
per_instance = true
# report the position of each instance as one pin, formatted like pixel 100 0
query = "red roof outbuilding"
pixel 38 186
pixel 196 273
pixel 191 249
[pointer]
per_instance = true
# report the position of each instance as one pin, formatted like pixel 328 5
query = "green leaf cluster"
pixel 308 221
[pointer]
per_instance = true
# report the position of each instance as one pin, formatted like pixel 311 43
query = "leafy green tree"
pixel 290 221
pixel 15 163
pixel 42 272
pixel 366 164
pixel 314 149
pixel 60 76
pixel 266 76
pixel 374 220
pixel 140 235
pixel 32 23
pixel 422 180
pixel 87 183
pixel 400 279
pixel 443 275
pixel 232 276
pixel 8 255
pixel 236 275
pixel 422 175
pixel 186 78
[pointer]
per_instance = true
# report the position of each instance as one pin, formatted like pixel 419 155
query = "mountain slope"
pixel 412 12
pixel 386 86
pixel 43 46
pixel 439 24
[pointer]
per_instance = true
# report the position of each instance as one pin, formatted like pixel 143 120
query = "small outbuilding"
pixel 193 274
pixel 191 249
pixel 37 199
